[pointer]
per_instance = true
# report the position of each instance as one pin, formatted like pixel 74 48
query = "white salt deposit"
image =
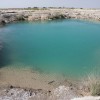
pixel 87 98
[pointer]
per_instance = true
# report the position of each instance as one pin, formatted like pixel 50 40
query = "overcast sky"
pixel 49 3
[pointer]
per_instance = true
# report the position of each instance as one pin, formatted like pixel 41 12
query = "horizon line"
pixel 48 7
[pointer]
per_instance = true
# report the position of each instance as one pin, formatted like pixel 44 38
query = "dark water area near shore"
pixel 68 47
pixel 4 56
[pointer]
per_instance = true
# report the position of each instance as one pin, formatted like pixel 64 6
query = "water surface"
pixel 69 47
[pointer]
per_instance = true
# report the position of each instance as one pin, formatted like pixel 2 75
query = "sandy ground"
pixel 27 78
pixel 28 84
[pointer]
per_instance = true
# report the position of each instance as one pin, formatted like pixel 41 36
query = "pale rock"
pixel 63 93
pixel 87 98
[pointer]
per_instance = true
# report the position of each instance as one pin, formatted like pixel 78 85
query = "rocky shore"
pixel 60 93
pixel 16 93
pixel 8 16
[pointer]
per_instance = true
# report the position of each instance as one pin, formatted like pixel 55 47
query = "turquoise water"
pixel 69 47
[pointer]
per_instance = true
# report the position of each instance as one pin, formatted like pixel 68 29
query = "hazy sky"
pixel 51 3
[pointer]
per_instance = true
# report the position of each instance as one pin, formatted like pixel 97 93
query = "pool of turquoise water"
pixel 68 47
